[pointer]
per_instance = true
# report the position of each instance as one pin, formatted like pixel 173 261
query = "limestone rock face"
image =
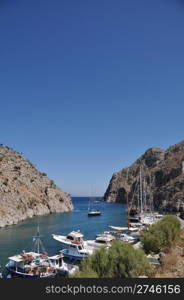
pixel 163 173
pixel 25 192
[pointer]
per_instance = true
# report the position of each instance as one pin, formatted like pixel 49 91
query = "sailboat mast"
pixel 38 237
pixel 151 195
pixel 144 195
pixel 128 211
pixel 141 208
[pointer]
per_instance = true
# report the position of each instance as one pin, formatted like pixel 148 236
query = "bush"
pixel 119 261
pixel 163 234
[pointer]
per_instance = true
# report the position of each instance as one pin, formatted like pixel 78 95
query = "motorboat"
pixel 63 268
pixel 79 248
pixel 72 238
pixel 127 238
pixel 94 212
pixel 76 252
pixel 104 239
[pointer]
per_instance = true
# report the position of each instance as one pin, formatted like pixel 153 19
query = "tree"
pixel 163 234
pixel 119 261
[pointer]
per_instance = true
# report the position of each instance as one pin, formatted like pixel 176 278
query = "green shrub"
pixel 163 234
pixel 119 261
pixel 43 174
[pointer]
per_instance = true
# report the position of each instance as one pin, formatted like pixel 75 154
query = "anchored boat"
pixel 34 264
pixel 92 208
pixel 63 268
pixel 75 247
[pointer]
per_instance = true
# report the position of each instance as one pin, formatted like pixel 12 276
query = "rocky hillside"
pixel 162 179
pixel 25 192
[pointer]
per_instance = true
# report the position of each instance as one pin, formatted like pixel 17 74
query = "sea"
pixel 16 238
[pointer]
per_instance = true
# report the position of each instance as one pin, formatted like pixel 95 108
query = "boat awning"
pixel 20 257
pixel 119 228
pixel 16 258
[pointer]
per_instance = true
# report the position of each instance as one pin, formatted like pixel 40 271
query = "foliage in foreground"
pixel 119 261
pixel 163 234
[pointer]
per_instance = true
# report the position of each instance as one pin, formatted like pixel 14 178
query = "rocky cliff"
pixel 162 180
pixel 25 192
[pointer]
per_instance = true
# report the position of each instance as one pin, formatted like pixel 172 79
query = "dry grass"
pixel 169 261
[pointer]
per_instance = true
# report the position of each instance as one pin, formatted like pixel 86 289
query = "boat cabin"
pixel 56 260
pixel 75 251
pixel 75 237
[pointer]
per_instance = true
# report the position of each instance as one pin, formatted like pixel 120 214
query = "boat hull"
pixel 25 275
pixel 94 214
pixel 73 256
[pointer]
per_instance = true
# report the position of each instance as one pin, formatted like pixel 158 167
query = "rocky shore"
pixel 25 192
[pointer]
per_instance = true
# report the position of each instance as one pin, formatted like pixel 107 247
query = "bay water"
pixel 16 238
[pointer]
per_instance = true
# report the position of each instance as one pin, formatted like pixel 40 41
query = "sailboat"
pixel 33 264
pixel 92 209
pixel 127 234
pixel 145 214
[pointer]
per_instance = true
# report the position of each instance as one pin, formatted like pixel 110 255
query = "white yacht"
pixel 78 248
pixel 74 246
pixel 104 239
pixel 72 238
pixel 127 238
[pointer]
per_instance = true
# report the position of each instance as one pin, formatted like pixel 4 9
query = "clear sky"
pixel 86 86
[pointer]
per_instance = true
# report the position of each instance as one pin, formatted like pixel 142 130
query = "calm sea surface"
pixel 14 239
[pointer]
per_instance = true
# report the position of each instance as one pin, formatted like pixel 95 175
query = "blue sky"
pixel 87 86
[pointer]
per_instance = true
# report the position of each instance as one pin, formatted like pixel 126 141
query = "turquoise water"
pixel 14 239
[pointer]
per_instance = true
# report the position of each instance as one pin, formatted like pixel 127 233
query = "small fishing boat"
pixel 30 265
pixel 33 264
